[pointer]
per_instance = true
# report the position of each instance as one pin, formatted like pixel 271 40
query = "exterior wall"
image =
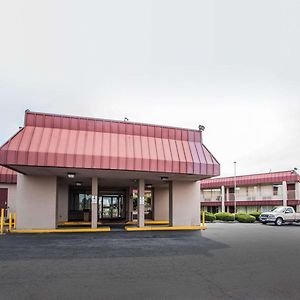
pixel 186 203
pixel 258 192
pixel 241 209
pixel 62 202
pixel 11 196
pixel 161 204
pixel 36 202
pixel 297 189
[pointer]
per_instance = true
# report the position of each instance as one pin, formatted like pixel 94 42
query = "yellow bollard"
pixel 203 218
pixel 10 222
pixel 2 221
pixel 15 220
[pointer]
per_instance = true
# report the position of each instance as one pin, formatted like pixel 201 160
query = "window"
pixel 289 211
pixel 84 201
pixel 80 200
pixel 275 190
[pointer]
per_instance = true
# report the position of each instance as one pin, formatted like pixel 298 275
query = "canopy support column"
pixel 94 203
pixel 141 203
pixel 171 205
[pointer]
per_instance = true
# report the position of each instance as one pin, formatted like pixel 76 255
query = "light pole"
pixel 234 163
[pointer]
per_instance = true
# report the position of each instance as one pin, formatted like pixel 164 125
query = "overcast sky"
pixel 231 65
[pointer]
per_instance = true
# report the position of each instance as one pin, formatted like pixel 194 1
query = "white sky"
pixel 231 65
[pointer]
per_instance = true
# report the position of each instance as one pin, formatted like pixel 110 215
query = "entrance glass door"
pixel 111 207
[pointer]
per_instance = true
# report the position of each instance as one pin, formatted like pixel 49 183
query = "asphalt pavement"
pixel 227 261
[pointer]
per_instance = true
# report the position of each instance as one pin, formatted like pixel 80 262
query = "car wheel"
pixel 279 221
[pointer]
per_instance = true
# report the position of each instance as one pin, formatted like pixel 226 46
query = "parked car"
pixel 280 215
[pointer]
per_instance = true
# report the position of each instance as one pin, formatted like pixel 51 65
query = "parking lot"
pixel 227 261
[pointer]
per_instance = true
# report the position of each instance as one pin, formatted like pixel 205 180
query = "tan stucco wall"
pixel 62 202
pixel 36 202
pixel 161 204
pixel 186 203
pixel 11 196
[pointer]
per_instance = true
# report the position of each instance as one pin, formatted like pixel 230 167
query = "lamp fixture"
pixel 71 175
pixel 78 183
pixel 164 178
pixel 201 127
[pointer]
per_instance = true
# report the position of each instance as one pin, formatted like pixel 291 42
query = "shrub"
pixel 209 217
pixel 223 216
pixel 244 218
pixel 255 214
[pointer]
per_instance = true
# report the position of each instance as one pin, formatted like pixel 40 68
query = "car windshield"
pixel 279 209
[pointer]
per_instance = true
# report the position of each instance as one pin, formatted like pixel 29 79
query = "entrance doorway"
pixel 111 207
pixel 3 199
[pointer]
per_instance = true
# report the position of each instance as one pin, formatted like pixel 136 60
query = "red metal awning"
pixel 7 175
pixel 74 142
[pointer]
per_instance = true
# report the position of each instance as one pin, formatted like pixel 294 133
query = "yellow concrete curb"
pixel 164 228
pixel 102 229
pixel 149 222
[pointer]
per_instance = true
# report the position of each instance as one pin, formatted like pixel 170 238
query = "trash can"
pixel 86 216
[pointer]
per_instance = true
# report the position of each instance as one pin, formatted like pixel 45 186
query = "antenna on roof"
pixel 294 170
pixel 201 127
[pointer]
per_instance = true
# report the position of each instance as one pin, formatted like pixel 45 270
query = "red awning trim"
pixel 7 175
pixel 110 126
pixel 266 178
pixel 74 142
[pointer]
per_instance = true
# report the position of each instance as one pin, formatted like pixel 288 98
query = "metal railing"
pixel 12 222
pixel 291 195
pixel 243 197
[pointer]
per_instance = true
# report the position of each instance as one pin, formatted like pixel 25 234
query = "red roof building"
pixel 78 163
pixel 254 192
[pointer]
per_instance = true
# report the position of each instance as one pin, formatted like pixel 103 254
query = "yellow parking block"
pixel 63 230
pixel 164 228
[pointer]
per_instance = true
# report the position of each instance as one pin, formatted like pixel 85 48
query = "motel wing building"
pixel 257 192
pixel 8 189
pixel 75 168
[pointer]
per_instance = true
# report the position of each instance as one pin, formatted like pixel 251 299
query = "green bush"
pixel 244 218
pixel 255 214
pixel 209 217
pixel 223 216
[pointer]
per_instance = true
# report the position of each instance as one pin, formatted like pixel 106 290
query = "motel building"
pixel 8 190
pixel 258 192
pixel 61 168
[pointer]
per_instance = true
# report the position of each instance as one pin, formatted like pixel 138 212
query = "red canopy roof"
pixel 265 178
pixel 7 175
pixel 49 140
